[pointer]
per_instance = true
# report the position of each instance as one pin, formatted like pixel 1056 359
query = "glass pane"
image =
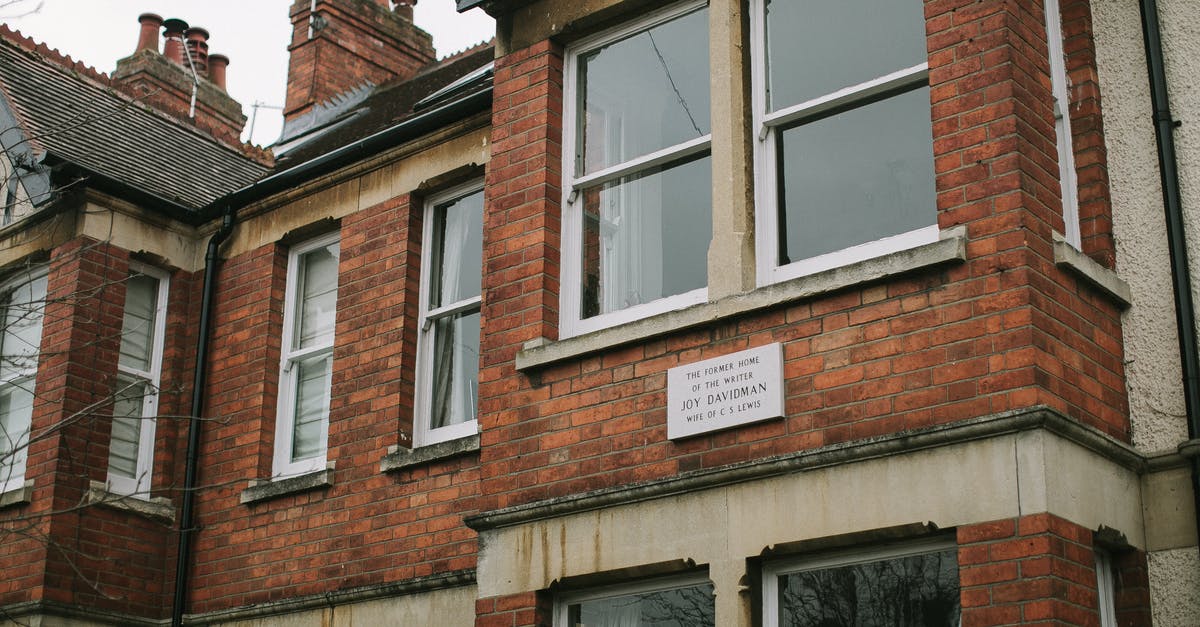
pixel 646 237
pixel 815 47
pixel 644 93
pixel 681 607
pixel 22 334
pixel 317 295
pixel 857 177
pixel 917 591
pixel 137 333
pixel 312 407
pixel 128 405
pixel 16 408
pixel 455 369
pixel 457 250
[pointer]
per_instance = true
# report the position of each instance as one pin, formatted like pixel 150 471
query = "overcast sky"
pixel 254 34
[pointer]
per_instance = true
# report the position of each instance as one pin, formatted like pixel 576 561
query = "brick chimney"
pixel 163 79
pixel 338 45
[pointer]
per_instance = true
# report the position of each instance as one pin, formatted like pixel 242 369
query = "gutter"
pixel 226 207
pixel 1181 282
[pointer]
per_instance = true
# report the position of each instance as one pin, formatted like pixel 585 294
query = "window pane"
pixel 312 407
pixel 857 177
pixel 644 93
pixel 916 591
pixel 457 250
pixel 137 332
pixel 127 427
pixel 681 607
pixel 815 47
pixel 318 296
pixel 16 408
pixel 455 369
pixel 646 237
pixel 22 334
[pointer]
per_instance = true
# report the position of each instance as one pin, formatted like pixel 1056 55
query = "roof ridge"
pixel 469 50
pixel 52 55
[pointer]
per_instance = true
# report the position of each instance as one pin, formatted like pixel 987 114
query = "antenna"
pixel 258 104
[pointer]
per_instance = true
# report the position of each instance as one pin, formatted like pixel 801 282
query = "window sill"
pixel 267 489
pixel 1103 279
pixel 160 508
pixel 951 247
pixel 402 458
pixel 18 496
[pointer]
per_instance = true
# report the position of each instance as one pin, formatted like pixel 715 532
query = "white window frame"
pixel 772 570
pixel 423 435
pixel 1060 88
pixel 139 485
pixel 1106 591
pixel 571 322
pixel 562 602
pixel 289 371
pixel 13 477
pixel 767 125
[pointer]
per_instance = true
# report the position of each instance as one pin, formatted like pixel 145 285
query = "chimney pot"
pixel 404 8
pixel 216 69
pixel 148 37
pixel 173 31
pixel 197 43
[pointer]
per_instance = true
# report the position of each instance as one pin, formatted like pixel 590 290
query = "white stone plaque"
pixel 724 392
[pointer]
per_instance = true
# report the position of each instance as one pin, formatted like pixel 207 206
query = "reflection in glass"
pixel 915 591
pixel 127 427
pixel 455 369
pixel 312 404
pixel 644 93
pixel 681 607
pixel 317 295
pixel 16 408
pixel 815 47
pixel 646 236
pixel 22 333
pixel 856 177
pixel 458 249
pixel 137 331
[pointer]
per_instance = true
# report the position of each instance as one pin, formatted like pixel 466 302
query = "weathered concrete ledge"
pixel 952 247
pixel 1086 268
pixel 401 458
pixel 18 496
pixel 416 585
pixel 34 613
pixel 263 490
pixel 160 508
pixel 833 455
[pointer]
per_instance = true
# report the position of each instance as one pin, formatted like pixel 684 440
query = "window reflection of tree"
pixel 682 607
pixel 917 591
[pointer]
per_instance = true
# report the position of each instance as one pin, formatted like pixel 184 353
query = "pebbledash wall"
pixel 967 393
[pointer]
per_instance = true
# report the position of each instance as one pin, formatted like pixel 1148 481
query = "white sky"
pixel 254 34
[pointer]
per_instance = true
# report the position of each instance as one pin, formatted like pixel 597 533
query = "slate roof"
pixel 387 105
pixel 67 113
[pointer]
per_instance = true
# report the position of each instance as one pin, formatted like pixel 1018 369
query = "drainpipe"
pixel 1181 282
pixel 194 424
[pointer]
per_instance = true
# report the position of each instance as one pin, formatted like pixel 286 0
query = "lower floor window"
pixel 909 586
pixel 670 602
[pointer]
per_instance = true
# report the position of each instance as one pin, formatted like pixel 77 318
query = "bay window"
pixel 302 423
pixel 637 173
pixel 448 357
pixel 22 305
pixel 135 400
pixel 845 142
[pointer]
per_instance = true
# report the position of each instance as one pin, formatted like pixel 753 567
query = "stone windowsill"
pixel 402 458
pixel 160 508
pixel 951 247
pixel 266 489
pixel 1068 257
pixel 18 496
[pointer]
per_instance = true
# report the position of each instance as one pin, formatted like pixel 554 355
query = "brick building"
pixel 734 312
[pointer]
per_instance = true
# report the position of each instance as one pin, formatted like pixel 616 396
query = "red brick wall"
pixel 369 527
pixel 1037 569
pixel 1006 330
pixel 528 609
